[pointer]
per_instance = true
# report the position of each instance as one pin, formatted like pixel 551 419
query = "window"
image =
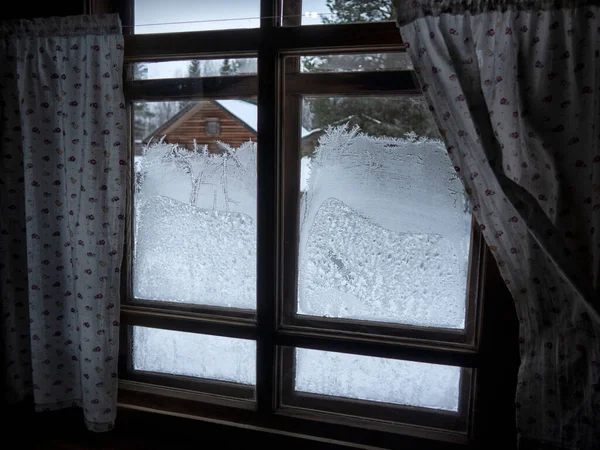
pixel 385 223
pixel 194 355
pixel 364 62
pixel 319 263
pixel 317 12
pixel 194 233
pixel 176 16
pixel 196 68
pixel 211 126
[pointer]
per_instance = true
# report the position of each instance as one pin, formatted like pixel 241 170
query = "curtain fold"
pixel 63 128
pixel 515 90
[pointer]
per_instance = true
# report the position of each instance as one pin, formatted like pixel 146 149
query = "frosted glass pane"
pixel 194 355
pixel 159 16
pixel 195 207
pixel 384 226
pixel 378 379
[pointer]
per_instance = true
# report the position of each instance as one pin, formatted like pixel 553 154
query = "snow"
pixel 378 379
pixel 247 112
pixel 195 355
pixel 384 236
pixel 304 173
pixel 137 162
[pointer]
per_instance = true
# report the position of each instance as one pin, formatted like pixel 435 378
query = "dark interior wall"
pixel 32 9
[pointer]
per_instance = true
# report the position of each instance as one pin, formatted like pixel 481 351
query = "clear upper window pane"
pixel 194 68
pixel 195 203
pixel 317 12
pixel 158 16
pixel 358 62
pixel 194 355
pixel 378 379
pixel 385 222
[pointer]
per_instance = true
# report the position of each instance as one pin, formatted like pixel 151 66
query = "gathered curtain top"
pixel 409 10
pixel 102 24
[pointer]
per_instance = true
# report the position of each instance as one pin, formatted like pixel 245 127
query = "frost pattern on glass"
pixel 378 379
pixel 195 226
pixel 384 234
pixel 194 355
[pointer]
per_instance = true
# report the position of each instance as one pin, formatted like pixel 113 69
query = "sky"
pixel 210 15
pixel 160 16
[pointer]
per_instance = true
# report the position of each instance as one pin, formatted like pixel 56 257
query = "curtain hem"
pixel 76 402
pixel 99 427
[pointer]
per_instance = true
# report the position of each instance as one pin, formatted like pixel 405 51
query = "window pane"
pixel 158 16
pixel 212 127
pixel 360 62
pixel 316 12
pixel 378 379
pixel 195 205
pixel 194 355
pixel 384 222
pixel 194 68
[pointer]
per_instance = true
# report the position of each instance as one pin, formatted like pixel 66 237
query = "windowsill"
pixel 288 422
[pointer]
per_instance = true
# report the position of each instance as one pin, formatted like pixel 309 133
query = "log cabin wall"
pixel 192 126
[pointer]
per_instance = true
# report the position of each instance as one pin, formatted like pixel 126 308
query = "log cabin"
pixel 210 121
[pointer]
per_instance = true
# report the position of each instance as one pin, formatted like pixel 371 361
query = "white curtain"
pixel 515 90
pixel 63 138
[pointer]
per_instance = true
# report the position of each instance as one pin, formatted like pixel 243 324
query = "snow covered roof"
pixel 247 112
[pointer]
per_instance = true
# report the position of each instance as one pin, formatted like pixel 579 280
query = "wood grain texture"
pixel 193 125
pixel 239 86
pixel 314 39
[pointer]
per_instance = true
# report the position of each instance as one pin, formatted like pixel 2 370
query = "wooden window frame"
pixel 279 86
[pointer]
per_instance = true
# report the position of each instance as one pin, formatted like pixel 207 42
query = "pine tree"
pixel 163 111
pixel 238 66
pixel 194 69
pixel 245 66
pixel 377 116
pixel 227 68
pixel 346 11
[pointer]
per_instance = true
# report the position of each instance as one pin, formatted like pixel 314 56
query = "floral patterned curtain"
pixel 62 129
pixel 515 89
